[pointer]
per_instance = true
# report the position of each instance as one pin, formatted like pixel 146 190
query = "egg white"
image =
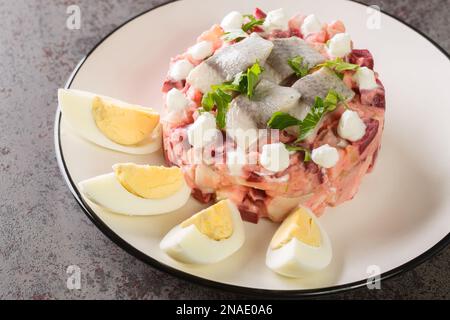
pixel 296 259
pixel 76 108
pixel 189 245
pixel 107 192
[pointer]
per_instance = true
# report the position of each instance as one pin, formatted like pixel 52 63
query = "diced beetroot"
pixel 296 33
pixel 257 29
pixel 379 100
pixel 249 216
pixel 259 14
pixel 375 98
pixel 170 84
pixel 371 132
pixel 253 177
pixel 202 197
pixel 251 210
pixel 280 34
pixel 362 57
pixel 311 167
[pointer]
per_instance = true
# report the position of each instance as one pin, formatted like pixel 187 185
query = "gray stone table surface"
pixel 42 229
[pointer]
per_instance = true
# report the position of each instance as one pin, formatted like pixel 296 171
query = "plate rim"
pixel 249 291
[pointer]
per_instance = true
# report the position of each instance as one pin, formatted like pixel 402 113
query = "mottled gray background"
pixel 42 229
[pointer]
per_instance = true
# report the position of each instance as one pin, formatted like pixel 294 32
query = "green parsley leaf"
pixel 236 35
pixel 307 157
pixel 240 82
pixel 208 101
pixel 331 100
pixel 312 119
pixel 281 120
pixel 222 100
pixel 253 74
pixel 252 23
pixel 339 65
pixel 245 82
pixel 222 94
pixel 318 110
pixel 222 97
pixel 300 68
pixel 225 87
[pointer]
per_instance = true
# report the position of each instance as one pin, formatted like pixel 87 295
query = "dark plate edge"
pixel 264 293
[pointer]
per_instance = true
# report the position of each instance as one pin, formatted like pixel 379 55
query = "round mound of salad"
pixel 272 112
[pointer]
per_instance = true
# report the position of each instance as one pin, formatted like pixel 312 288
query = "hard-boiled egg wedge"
pixel 111 123
pixel 207 237
pixel 300 246
pixel 138 189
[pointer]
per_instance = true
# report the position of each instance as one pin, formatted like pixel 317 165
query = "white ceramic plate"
pixel 401 215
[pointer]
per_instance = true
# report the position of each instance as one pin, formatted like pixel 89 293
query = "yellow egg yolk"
pixel 299 225
pixel 149 182
pixel 125 125
pixel 215 222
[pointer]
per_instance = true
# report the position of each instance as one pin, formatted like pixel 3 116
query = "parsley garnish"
pixel 222 104
pixel 236 35
pixel 244 82
pixel 300 68
pixel 239 34
pixel 252 23
pixel 208 101
pixel 318 110
pixel 253 74
pixel 339 65
pixel 312 119
pixel 221 100
pixel 222 94
pixel 282 120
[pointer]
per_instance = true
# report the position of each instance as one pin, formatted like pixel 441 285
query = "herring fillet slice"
pixel 226 63
pixel 300 110
pixel 241 126
pixel 238 57
pixel 269 98
pixel 271 74
pixel 289 48
pixel 319 83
